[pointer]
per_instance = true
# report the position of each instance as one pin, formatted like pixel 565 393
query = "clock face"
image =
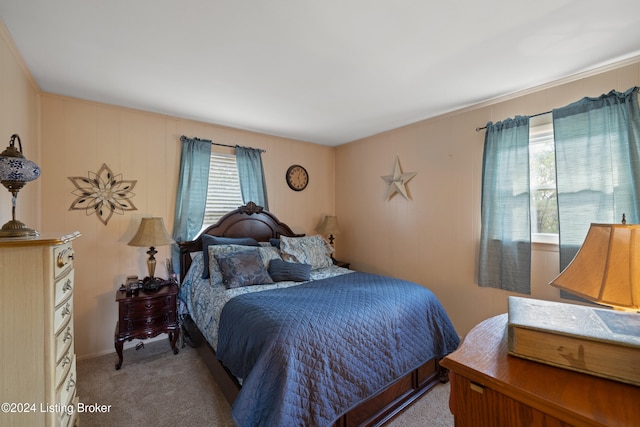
pixel 297 177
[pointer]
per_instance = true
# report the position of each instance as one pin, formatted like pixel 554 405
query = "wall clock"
pixel 297 177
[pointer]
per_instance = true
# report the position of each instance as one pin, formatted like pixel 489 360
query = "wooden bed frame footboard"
pixel 375 411
pixel 253 221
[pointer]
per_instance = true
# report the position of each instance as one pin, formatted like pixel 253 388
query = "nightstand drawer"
pixel 150 322
pixel 64 288
pixel 144 308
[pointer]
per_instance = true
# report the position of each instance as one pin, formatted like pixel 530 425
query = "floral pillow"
pixel 314 250
pixel 243 268
pixel 215 277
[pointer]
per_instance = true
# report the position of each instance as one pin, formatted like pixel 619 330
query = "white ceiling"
pixel 325 71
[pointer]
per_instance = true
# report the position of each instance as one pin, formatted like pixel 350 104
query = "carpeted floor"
pixel 154 387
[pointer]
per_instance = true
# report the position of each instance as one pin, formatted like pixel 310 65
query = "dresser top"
pixel 574 397
pixel 43 239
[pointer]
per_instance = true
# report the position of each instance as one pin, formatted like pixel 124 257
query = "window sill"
pixel 544 242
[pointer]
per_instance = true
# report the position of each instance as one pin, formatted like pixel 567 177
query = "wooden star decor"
pixel 398 181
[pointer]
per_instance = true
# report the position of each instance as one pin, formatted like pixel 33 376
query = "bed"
pixel 321 345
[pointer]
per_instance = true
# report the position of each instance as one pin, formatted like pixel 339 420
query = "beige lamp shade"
pixel 606 269
pixel 151 234
pixel 329 226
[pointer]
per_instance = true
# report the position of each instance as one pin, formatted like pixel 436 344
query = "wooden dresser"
pixel 490 388
pixel 37 358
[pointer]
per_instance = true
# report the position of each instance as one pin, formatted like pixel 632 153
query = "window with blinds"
pixel 223 191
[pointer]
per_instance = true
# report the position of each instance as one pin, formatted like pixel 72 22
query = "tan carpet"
pixel 154 387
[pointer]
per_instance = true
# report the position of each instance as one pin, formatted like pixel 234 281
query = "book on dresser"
pixel 597 341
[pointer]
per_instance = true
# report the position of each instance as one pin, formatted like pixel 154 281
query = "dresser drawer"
pixel 62 315
pixel 62 259
pixel 64 288
pixel 145 308
pixel 63 366
pixel 66 390
pixel 64 340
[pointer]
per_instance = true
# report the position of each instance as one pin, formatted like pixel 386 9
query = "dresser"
pixel 490 388
pixel 37 358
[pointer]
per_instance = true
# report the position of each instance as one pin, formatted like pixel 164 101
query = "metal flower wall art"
pixel 103 193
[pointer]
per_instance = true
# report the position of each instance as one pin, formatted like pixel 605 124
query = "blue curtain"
pixel 505 240
pixel 192 193
pixel 252 183
pixel 598 165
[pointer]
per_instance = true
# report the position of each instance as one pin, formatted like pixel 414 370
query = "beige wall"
pixel 433 238
pixel 79 136
pixel 19 113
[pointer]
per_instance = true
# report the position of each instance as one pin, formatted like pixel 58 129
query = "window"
pixel 223 191
pixel 542 167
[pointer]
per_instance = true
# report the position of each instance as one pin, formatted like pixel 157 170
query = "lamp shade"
pixel 151 233
pixel 329 226
pixel 606 269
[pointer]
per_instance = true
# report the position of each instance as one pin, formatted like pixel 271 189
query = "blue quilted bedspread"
pixel 352 335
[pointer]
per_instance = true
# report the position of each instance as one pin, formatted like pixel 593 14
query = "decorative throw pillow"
pixel 274 242
pixel 242 269
pixel 215 240
pixel 283 271
pixel 314 250
pixel 215 277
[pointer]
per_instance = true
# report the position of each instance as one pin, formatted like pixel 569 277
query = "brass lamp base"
pixel 15 228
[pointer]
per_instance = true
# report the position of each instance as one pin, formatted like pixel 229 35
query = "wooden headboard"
pixel 250 220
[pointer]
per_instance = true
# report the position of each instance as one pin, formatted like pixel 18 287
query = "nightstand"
pixel 342 264
pixel 146 314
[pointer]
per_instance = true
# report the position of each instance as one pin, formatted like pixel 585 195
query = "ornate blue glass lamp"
pixel 15 172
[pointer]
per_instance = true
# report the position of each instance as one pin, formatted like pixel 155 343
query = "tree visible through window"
pixel 542 166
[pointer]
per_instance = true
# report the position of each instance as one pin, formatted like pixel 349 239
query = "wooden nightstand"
pixel 146 314
pixel 342 264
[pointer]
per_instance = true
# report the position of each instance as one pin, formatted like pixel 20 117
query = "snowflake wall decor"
pixel 103 193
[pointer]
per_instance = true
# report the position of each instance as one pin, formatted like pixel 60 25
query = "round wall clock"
pixel 297 177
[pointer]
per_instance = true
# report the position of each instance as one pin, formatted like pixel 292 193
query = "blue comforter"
pixel 310 353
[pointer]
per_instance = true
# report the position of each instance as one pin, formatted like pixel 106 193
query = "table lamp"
pixel 15 172
pixel 151 233
pixel 329 227
pixel 606 269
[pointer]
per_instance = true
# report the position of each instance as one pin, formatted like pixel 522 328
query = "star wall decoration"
pixel 398 181
pixel 102 193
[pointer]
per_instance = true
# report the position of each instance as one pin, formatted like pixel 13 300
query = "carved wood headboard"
pixel 250 220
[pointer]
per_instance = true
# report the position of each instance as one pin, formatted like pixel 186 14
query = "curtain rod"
pixel 535 115
pixel 183 138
